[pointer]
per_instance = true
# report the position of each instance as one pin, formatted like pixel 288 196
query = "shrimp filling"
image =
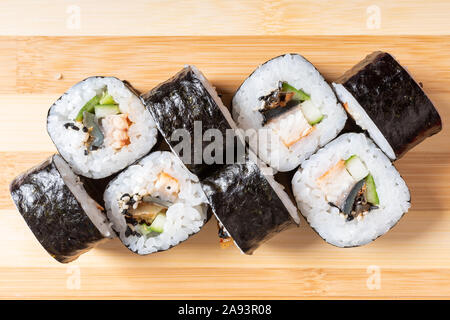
pixel 102 123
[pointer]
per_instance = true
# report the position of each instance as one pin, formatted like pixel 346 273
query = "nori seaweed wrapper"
pixel 96 187
pixel 246 204
pixel 53 213
pixel 393 100
pixel 180 102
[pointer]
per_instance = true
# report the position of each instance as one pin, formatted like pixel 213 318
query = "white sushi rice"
pixel 92 209
pixel 362 119
pixel 185 217
pixel 106 160
pixel 298 72
pixel 332 226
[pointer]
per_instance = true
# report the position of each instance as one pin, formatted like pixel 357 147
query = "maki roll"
pixel 55 205
pixel 155 204
pixel 287 110
pixel 250 205
pixel 383 98
pixel 187 107
pixel 350 192
pixel 100 126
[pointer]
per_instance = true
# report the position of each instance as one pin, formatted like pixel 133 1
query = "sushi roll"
pixel 58 210
pixel 250 205
pixel 383 98
pixel 155 204
pixel 100 126
pixel 187 107
pixel 287 111
pixel 349 191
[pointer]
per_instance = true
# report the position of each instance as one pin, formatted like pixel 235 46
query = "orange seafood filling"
pixel 336 183
pixel 116 130
pixel 291 127
pixel 167 183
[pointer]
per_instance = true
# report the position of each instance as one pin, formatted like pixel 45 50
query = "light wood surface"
pixel 223 17
pixel 410 261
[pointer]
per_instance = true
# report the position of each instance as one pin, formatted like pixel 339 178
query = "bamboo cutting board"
pixel 44 56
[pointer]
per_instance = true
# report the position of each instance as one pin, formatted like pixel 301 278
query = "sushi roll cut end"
pixel 349 191
pixel 155 204
pixel 288 110
pixel 100 126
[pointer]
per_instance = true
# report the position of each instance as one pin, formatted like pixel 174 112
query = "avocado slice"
pixel 88 107
pixel 371 191
pixel 299 93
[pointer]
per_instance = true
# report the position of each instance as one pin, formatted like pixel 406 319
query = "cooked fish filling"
pixel 290 113
pixel 350 187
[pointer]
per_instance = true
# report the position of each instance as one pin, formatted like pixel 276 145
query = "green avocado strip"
pixel 371 191
pixel 88 107
pixel 299 93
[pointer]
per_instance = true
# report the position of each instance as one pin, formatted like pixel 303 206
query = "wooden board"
pixel 411 261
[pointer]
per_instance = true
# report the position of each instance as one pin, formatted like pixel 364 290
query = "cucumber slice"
pixel 144 229
pixel 311 112
pixel 102 111
pixel 356 168
pixel 88 107
pixel 299 93
pixel 158 224
pixel 371 191
pixel 107 99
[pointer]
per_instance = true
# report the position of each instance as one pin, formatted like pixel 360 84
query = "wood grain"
pixel 216 17
pixel 146 61
pixel 414 258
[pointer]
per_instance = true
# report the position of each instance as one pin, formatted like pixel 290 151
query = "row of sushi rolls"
pixel 119 171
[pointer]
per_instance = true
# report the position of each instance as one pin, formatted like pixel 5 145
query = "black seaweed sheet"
pixel 393 100
pixel 246 204
pixel 53 213
pixel 180 102
pixel 95 188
